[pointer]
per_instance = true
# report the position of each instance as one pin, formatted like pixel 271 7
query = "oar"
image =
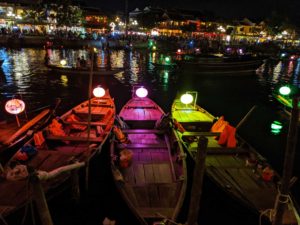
pixel 245 117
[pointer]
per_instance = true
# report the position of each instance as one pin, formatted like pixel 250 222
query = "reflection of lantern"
pixel 99 92
pixel 15 106
pixel 63 62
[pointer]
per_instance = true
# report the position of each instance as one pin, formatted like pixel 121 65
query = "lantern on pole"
pixel 15 107
pixel 99 92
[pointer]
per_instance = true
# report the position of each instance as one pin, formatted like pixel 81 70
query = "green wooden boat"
pixel 239 171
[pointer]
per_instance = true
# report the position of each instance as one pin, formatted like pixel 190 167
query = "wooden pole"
pixel 40 201
pixel 283 195
pixel 245 117
pixel 89 115
pixel 197 181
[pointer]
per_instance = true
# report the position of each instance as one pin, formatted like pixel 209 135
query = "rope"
pixel 265 213
pixel 3 220
pixel 270 213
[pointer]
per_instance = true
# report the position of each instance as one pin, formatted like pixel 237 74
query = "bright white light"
pixel 285 90
pixel 186 99
pixel 141 92
pixel 63 62
pixel 98 92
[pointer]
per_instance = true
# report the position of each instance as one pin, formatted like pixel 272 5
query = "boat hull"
pixel 238 170
pixel 74 71
pixel 154 183
pixel 221 68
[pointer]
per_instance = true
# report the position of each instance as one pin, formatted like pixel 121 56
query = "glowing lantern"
pixel 179 51
pixel 63 62
pixel 186 98
pixel 285 90
pixel 99 92
pixel 167 59
pixel 141 92
pixel 15 106
pixel 154 48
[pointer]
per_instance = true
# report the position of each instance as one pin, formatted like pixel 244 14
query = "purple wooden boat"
pixel 148 165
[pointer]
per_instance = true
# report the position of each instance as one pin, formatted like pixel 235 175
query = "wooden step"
pixel 198 134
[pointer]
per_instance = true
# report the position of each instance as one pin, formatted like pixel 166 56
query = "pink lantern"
pixel 15 106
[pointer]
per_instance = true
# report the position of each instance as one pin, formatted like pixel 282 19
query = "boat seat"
pixel 143 131
pixel 86 123
pixel 142 107
pixel 74 138
pixel 198 134
pixel 222 150
pixel 137 145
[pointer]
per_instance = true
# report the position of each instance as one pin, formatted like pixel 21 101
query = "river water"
pixel 25 75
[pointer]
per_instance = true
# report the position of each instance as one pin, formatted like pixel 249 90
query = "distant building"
pixel 95 20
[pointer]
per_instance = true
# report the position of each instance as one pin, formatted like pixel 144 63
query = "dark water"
pixel 24 75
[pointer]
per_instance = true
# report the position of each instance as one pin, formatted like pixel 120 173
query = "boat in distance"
pixel 231 163
pixel 73 70
pixel 67 143
pixel 147 162
pixel 221 67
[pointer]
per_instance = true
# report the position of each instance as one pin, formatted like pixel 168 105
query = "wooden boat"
pixel 73 70
pixel 287 104
pixel 66 144
pixel 220 66
pixel 13 138
pixel 240 171
pixel 164 65
pixel 153 184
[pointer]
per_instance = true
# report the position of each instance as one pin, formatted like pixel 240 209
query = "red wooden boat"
pixel 68 143
pixel 147 165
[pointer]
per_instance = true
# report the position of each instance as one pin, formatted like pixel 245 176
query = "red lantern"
pixel 15 106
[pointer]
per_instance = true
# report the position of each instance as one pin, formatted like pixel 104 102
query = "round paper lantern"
pixel 141 92
pixel 99 92
pixel 15 106
pixel 186 98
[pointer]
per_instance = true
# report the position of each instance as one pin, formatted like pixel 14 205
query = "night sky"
pixel 255 9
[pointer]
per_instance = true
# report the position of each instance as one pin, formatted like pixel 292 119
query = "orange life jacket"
pixel 39 139
pixel 56 128
pixel 125 158
pixel 121 137
pixel 227 137
pixel 267 174
pixel 219 125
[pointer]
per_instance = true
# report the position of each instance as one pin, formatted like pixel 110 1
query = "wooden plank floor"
pixel 243 183
pixel 151 178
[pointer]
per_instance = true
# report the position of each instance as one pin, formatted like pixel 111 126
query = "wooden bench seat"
pixel 86 123
pixel 143 131
pixel 198 134
pixel 222 151
pixel 141 107
pixel 74 138
pixel 162 145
